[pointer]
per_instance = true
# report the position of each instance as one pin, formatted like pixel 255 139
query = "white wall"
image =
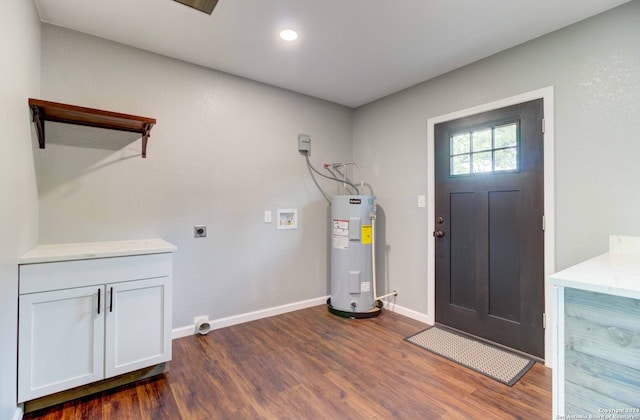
pixel 224 150
pixel 19 80
pixel 594 66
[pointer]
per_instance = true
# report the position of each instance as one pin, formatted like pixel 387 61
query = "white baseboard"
pixel 250 316
pixel 264 313
pixel 17 415
pixel 410 313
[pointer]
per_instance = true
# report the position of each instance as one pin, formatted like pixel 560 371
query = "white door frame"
pixel 546 94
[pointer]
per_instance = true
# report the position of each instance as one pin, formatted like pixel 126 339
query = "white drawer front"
pixel 70 274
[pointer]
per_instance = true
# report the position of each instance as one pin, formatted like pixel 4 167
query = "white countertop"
pixel 91 250
pixel 616 272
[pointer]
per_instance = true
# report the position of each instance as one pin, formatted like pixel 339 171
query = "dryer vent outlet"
pixel 201 325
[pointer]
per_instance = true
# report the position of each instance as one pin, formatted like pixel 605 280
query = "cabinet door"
pixel 138 325
pixel 60 340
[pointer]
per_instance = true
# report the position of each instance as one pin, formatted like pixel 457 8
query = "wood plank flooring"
pixel 309 364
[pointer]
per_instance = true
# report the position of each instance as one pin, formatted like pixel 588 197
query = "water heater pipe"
pixel 311 168
pixel 330 166
pixel 336 165
pixel 373 262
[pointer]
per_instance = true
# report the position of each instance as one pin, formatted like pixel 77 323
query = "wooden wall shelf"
pixel 70 114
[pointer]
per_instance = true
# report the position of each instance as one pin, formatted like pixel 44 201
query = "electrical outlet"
pixel 200 231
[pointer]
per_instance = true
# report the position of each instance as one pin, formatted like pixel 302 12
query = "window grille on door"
pixel 486 150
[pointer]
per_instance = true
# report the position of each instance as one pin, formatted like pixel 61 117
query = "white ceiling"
pixel 348 51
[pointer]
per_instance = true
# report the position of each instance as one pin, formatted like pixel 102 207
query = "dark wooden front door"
pixel 489 226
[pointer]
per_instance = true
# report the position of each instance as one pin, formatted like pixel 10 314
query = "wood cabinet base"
pixel 95 387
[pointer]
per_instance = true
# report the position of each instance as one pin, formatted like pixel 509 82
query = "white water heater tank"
pixel 352 288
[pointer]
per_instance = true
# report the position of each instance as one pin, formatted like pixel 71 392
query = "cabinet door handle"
pixel 111 301
pixel 99 301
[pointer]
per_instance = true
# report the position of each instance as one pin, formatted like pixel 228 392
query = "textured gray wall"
pixel 594 66
pixel 223 151
pixel 20 69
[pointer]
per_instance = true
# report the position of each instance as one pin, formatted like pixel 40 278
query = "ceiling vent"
pixel 205 6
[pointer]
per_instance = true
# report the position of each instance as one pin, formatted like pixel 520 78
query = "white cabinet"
pixel 61 339
pixel 90 318
pixel 136 333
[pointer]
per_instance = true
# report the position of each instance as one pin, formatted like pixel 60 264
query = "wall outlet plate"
pixel 200 231
pixel 422 201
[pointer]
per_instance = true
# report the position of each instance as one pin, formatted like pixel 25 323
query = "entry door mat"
pixel 492 361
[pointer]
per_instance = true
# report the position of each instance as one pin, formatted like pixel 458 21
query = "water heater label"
pixel 340 236
pixel 340 242
pixel 355 201
pixel 366 235
pixel 341 224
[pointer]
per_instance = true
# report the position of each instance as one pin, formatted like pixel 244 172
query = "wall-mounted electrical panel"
pixel 304 144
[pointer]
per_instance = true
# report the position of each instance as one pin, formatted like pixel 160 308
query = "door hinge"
pixel 544 223
pixel 543 126
pixel 544 320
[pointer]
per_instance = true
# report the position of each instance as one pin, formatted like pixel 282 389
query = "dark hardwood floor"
pixel 310 364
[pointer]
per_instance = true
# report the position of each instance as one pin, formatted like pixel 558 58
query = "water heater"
pixel 353 242
pixel 352 288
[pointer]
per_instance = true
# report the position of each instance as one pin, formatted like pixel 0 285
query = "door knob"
pixel 438 234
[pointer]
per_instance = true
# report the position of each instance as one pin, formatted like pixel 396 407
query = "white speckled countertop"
pixel 91 250
pixel 616 272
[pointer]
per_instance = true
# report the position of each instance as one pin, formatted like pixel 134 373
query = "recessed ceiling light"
pixel 289 35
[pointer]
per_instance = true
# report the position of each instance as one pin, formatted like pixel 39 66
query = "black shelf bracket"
pixel 38 120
